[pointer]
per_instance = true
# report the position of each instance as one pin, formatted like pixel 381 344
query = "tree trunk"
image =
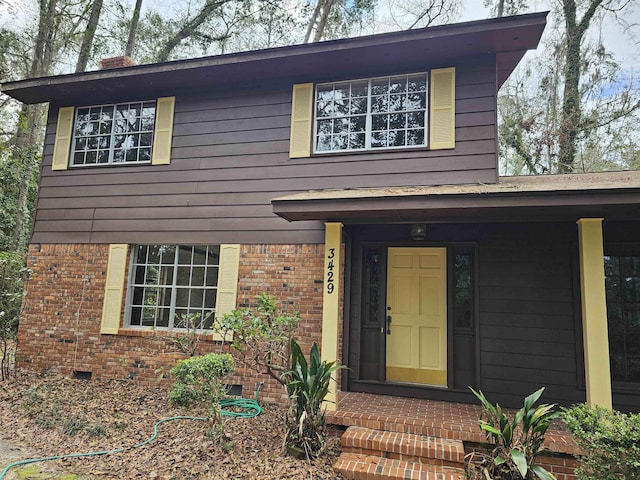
pixel 30 127
pixel 312 21
pixel 500 8
pixel 571 111
pixel 322 23
pixel 89 34
pixel 189 28
pixel 133 29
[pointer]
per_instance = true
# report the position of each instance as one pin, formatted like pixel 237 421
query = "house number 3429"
pixel 330 267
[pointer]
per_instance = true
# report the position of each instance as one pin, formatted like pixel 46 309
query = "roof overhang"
pixel 508 38
pixel 610 195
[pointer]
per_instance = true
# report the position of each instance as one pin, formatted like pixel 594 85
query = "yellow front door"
pixel 417 307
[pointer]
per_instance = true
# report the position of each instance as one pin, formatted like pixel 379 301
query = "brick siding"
pixel 60 326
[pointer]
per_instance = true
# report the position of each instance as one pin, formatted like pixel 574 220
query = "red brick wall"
pixel 60 328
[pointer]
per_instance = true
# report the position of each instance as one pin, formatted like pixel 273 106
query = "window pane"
pixel 358 105
pixel 196 298
pixel 184 255
pixel 379 86
pixel 210 298
pixel 396 138
pixel 611 265
pixel 213 255
pixel 197 276
pixel 415 137
pixel 398 84
pixel 357 124
pixel 379 122
pixel 379 139
pixel 184 275
pixel 416 101
pixel 396 103
pixel 324 143
pixel 212 277
pixel 379 104
pixel 339 142
pixel 357 141
pixel 630 266
pixel 417 83
pixel 341 125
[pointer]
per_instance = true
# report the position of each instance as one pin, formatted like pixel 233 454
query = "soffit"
pixel 611 195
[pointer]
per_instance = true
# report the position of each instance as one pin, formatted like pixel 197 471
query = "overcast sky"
pixel 626 47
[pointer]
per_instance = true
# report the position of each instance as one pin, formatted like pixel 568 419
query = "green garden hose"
pixel 243 408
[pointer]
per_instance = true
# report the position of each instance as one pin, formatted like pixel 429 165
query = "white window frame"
pixel 143 104
pixel 369 114
pixel 172 288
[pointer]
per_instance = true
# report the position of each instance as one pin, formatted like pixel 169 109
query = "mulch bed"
pixel 53 415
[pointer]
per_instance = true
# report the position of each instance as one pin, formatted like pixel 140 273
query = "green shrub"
pixel 513 445
pixel 261 337
pixel 199 381
pixel 307 386
pixel 610 440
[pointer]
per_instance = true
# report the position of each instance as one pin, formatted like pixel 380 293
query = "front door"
pixel 416 315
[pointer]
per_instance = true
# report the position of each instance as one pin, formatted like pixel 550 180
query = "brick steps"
pixel 356 466
pixel 377 454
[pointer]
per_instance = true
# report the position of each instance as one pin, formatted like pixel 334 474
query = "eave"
pixel 507 38
pixel 610 195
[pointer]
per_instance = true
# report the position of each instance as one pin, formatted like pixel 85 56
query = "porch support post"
pixel 331 302
pixel 594 313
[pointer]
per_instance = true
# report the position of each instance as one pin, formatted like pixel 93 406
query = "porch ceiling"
pixel 610 195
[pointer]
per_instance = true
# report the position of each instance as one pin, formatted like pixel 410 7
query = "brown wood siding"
pixel 527 313
pixel 230 158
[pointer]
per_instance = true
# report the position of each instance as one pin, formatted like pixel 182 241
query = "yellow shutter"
pixel 114 289
pixel 442 124
pixel 301 120
pixel 161 154
pixel 227 281
pixel 62 143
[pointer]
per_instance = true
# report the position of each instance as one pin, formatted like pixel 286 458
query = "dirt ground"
pixel 52 415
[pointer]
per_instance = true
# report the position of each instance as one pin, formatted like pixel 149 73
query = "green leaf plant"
pixel 512 444
pixel 307 385
pixel 200 381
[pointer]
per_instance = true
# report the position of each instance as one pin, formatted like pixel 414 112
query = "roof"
pixel 508 38
pixel 545 197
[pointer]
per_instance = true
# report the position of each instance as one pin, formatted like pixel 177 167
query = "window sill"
pixel 135 332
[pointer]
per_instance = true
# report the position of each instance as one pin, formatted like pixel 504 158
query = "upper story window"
pixel 382 112
pixel 110 134
pixel 173 286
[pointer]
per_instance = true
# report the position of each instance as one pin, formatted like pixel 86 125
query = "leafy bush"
pixel 13 276
pixel 261 337
pixel 307 386
pixel 199 382
pixel 610 440
pixel 513 445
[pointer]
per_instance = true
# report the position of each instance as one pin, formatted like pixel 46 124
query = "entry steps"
pixel 376 454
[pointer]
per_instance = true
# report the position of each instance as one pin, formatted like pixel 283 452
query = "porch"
pixel 399 437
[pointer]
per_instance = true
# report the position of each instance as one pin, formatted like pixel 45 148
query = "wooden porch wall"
pixel 529 308
pixel 230 158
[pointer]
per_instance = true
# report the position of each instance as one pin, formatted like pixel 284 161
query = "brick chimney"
pixel 116 62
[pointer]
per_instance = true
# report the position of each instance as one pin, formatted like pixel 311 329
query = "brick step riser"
pixel 362 467
pixel 424 460
pixel 409 447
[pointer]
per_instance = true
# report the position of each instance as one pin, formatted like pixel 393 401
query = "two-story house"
pixel 355 180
